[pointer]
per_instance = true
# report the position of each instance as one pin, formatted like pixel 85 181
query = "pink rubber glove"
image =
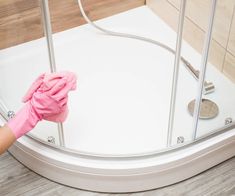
pixel 46 98
pixel 45 82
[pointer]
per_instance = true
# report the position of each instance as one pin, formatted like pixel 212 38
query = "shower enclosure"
pixel 149 110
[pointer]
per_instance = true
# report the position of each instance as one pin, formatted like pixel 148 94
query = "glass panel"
pixel 23 55
pixel 121 105
pixel 185 89
pixel 124 85
pixel 218 107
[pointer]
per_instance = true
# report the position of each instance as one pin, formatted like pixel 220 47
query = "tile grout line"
pixel 196 25
pixel 230 29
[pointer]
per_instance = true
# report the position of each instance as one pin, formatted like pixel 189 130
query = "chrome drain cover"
pixel 209 109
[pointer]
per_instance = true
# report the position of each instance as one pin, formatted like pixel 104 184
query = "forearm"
pixel 7 138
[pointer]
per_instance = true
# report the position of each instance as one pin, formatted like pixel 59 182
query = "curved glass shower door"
pixel 218 107
pixel 122 103
pixel 134 96
pixel 148 105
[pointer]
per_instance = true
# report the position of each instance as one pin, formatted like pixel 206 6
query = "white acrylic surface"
pixel 122 102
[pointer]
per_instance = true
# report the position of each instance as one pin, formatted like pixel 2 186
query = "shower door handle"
pixel 208 86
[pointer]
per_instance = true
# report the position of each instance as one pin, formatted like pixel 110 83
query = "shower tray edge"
pixel 123 175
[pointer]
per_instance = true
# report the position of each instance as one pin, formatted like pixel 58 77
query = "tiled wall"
pixel 20 20
pixel 222 53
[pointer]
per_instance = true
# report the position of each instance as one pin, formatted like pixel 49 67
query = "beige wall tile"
pixel 231 43
pixel 198 11
pixel 176 3
pixel 20 20
pixel 217 55
pixel 192 33
pixel 229 66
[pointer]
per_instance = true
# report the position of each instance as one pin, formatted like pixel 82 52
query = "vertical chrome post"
pixel 176 71
pixel 202 75
pixel 61 133
pixel 48 34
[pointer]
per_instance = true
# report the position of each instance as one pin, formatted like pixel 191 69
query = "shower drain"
pixel 209 109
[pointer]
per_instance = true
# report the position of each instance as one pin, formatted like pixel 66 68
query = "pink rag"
pixel 46 99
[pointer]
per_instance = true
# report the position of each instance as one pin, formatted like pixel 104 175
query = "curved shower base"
pixel 124 174
pixel 105 162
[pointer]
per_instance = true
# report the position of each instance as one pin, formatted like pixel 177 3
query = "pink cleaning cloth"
pixel 45 82
pixel 46 99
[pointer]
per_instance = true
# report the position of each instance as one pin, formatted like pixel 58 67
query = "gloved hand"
pixel 46 99
pixel 45 82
